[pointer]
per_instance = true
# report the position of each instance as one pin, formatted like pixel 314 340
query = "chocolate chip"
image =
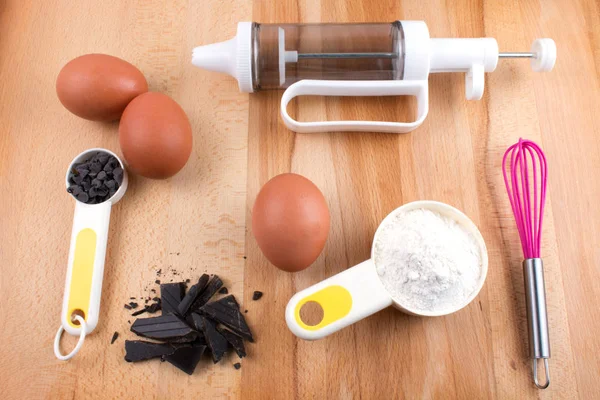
pixel 83 197
pixel 118 174
pixel 101 175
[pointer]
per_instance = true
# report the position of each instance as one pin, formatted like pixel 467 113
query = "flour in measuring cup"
pixel 427 262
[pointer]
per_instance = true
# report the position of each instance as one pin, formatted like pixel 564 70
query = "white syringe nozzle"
pixel 232 57
pixel 218 57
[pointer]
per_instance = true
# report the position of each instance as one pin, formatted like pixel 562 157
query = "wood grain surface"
pixel 200 219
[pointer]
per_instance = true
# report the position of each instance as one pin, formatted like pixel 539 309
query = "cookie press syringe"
pixel 372 59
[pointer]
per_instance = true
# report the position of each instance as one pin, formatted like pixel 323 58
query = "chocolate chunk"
pixel 138 350
pixel 138 312
pixel 95 167
pixel 223 290
pixel 216 342
pixel 133 304
pixel 227 312
pixel 186 357
pixel 171 295
pixel 154 307
pixel 114 337
pixel 127 306
pixel 257 295
pixel 118 174
pixel 234 340
pixel 191 295
pixel 83 197
pixel 213 286
pixel 103 158
pixel 166 327
pixel 157 281
pixel 237 365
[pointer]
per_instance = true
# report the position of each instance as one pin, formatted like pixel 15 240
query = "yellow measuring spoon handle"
pixel 85 271
pixel 345 299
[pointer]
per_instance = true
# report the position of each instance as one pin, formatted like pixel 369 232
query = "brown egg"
pixel 155 136
pixel 290 221
pixel 98 87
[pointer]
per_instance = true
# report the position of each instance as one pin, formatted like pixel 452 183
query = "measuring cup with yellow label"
pixel 358 292
pixel 85 271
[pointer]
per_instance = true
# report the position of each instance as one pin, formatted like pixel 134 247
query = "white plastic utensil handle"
pixel 417 88
pixel 345 299
pixel 85 272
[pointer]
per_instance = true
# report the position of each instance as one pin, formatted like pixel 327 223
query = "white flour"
pixel 426 261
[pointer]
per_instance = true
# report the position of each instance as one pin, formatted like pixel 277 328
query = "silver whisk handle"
pixel 537 317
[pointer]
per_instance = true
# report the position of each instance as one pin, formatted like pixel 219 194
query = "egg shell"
pixel 290 222
pixel 98 87
pixel 155 136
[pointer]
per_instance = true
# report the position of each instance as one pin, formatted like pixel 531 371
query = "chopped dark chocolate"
pixel 138 350
pixel 139 312
pixel 186 357
pixel 171 295
pixel 209 291
pixel 237 365
pixel 234 340
pixel 127 306
pixel 133 304
pixel 227 312
pixel 257 295
pixel 154 307
pixel 114 337
pixel 157 281
pixel 191 295
pixel 223 290
pixel 166 327
pixel 216 342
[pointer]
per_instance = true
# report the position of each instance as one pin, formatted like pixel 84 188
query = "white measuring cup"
pixel 87 253
pixel 358 292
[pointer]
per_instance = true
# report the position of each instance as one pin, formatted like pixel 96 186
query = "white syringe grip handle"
pixel 459 55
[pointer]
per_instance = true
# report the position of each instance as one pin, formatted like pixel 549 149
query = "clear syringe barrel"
pixel 286 53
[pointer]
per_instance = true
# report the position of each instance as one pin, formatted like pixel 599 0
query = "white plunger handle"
pixel 345 299
pixel 545 55
pixel 85 272
pixel 417 88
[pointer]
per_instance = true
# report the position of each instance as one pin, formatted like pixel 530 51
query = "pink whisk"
pixel 525 179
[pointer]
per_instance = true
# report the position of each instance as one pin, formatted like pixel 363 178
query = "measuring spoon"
pixel 87 253
pixel 358 292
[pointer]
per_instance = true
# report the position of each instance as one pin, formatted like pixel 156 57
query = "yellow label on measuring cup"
pixel 82 273
pixel 335 301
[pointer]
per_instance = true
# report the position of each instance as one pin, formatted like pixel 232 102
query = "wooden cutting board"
pixel 200 220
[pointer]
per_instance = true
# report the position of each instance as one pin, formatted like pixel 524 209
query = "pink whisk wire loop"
pixel 525 178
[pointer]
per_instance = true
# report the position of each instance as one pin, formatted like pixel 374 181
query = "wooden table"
pixel 200 219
